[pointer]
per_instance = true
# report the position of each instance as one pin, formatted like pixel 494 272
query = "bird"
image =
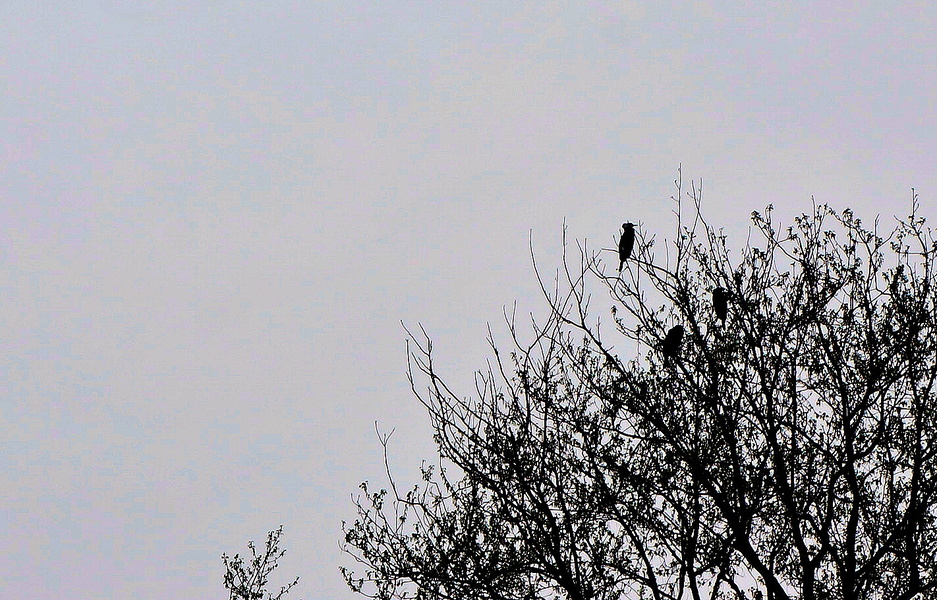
pixel 896 280
pixel 625 244
pixel 721 303
pixel 671 344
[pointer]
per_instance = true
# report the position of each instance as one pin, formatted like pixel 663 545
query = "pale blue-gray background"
pixel 214 216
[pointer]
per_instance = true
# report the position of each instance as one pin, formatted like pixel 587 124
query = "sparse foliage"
pixel 248 581
pixel 788 450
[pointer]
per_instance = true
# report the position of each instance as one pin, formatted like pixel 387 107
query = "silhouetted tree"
pixel 789 454
pixel 248 581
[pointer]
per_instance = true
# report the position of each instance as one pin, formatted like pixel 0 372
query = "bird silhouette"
pixel 670 347
pixel 721 303
pixel 896 280
pixel 625 244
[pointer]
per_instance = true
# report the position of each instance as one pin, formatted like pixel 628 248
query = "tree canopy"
pixel 249 579
pixel 787 452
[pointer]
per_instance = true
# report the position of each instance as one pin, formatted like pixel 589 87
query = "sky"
pixel 216 216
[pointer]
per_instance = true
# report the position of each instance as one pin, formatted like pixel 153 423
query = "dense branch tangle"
pixel 788 453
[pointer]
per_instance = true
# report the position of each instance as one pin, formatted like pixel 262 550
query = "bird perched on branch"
pixel 721 303
pixel 670 347
pixel 896 280
pixel 625 244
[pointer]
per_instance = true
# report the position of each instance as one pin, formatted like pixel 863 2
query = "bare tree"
pixel 248 581
pixel 787 450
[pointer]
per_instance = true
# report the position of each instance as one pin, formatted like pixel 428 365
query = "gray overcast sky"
pixel 216 214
